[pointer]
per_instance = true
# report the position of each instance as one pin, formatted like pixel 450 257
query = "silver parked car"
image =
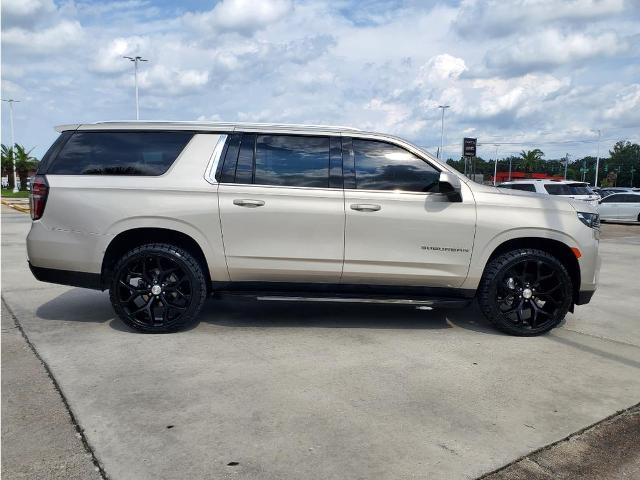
pixel 621 207
pixel 164 214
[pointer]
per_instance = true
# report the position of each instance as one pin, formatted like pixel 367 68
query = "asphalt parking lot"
pixel 281 390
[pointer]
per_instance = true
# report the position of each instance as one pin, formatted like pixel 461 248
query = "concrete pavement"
pixel 326 391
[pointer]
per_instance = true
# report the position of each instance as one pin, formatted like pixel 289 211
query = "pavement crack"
pixel 599 337
pixel 74 421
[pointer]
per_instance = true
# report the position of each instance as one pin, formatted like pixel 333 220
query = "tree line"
pixel 25 164
pixel 621 168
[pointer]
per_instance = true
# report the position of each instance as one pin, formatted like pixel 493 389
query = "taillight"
pixel 38 196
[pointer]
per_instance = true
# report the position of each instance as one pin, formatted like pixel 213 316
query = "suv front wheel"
pixel 158 288
pixel 525 292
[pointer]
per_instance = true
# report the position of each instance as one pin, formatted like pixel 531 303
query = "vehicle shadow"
pixel 80 305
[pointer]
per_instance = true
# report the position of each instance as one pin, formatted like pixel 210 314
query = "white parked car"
pixel 562 188
pixel 165 213
pixel 621 206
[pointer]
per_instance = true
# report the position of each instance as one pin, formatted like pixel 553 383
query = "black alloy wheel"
pixel 158 288
pixel 525 292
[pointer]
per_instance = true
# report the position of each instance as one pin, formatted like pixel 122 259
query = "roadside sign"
pixel 469 147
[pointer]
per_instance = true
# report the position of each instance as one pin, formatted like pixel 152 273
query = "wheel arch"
pixel 135 237
pixel 558 249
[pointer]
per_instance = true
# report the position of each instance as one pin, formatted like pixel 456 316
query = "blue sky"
pixel 522 73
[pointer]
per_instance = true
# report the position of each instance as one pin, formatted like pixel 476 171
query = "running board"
pixel 416 302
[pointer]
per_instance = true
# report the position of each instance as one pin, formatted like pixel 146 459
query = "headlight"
pixel 591 220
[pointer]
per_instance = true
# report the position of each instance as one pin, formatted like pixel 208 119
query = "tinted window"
pixel 526 187
pixel 52 152
pixel 629 198
pixel 579 189
pixel 295 161
pixel 244 167
pixel 119 153
pixel 382 166
pixel 558 189
pixel 612 198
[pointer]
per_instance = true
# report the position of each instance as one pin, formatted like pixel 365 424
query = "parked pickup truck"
pixel 163 214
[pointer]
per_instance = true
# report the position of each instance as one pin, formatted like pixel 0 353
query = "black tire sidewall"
pixel 489 285
pixel 190 266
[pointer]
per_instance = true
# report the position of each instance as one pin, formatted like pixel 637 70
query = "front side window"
pixel 383 166
pixel 291 160
pixel 119 153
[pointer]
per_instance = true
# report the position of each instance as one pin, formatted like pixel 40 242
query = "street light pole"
pixel 595 184
pixel 495 168
pixel 566 164
pixel 11 101
pixel 135 61
pixel 443 107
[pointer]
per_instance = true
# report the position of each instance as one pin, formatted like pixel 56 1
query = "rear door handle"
pixel 365 207
pixel 244 202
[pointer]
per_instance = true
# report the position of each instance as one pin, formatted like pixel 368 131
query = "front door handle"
pixel 244 202
pixel 365 207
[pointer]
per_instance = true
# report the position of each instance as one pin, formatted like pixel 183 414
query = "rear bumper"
pixel 584 296
pixel 67 277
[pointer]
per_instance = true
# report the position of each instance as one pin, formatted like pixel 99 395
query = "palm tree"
pixel 25 163
pixel 7 163
pixel 530 159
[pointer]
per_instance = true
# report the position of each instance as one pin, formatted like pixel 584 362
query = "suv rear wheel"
pixel 525 292
pixel 158 288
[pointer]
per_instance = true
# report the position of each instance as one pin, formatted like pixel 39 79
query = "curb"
pixel 16 206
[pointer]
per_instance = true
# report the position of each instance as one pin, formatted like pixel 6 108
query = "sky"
pixel 517 74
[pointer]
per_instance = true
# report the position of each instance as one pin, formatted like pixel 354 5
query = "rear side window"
pixel 580 189
pixel 293 161
pixel 52 152
pixel 383 166
pixel 119 153
pixel 559 189
pixel 525 187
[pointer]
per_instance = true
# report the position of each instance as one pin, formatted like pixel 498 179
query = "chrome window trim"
pixel 396 192
pixel 212 166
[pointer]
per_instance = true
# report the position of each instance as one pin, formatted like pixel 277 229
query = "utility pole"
pixel 135 61
pixel 11 101
pixel 510 159
pixel 443 107
pixel 566 164
pixel 595 184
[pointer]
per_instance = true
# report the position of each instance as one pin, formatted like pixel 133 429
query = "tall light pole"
pixel 135 61
pixel 595 184
pixel 566 164
pixel 443 107
pixel 11 101
pixel 495 167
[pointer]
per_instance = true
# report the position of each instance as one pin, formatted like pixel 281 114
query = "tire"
pixel 158 288
pixel 513 276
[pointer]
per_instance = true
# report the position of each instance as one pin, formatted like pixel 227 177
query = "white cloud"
pixel 497 17
pixel 25 12
pixel 626 106
pixel 46 40
pixel 160 79
pixel 551 48
pixel 442 67
pixel 242 16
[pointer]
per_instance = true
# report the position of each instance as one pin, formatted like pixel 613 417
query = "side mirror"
pixel 449 185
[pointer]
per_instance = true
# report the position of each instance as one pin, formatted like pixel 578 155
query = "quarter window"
pixel 383 166
pixel 557 189
pixel 119 153
pixel 290 160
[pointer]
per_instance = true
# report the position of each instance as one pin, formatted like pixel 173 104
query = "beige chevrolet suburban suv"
pixel 165 213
